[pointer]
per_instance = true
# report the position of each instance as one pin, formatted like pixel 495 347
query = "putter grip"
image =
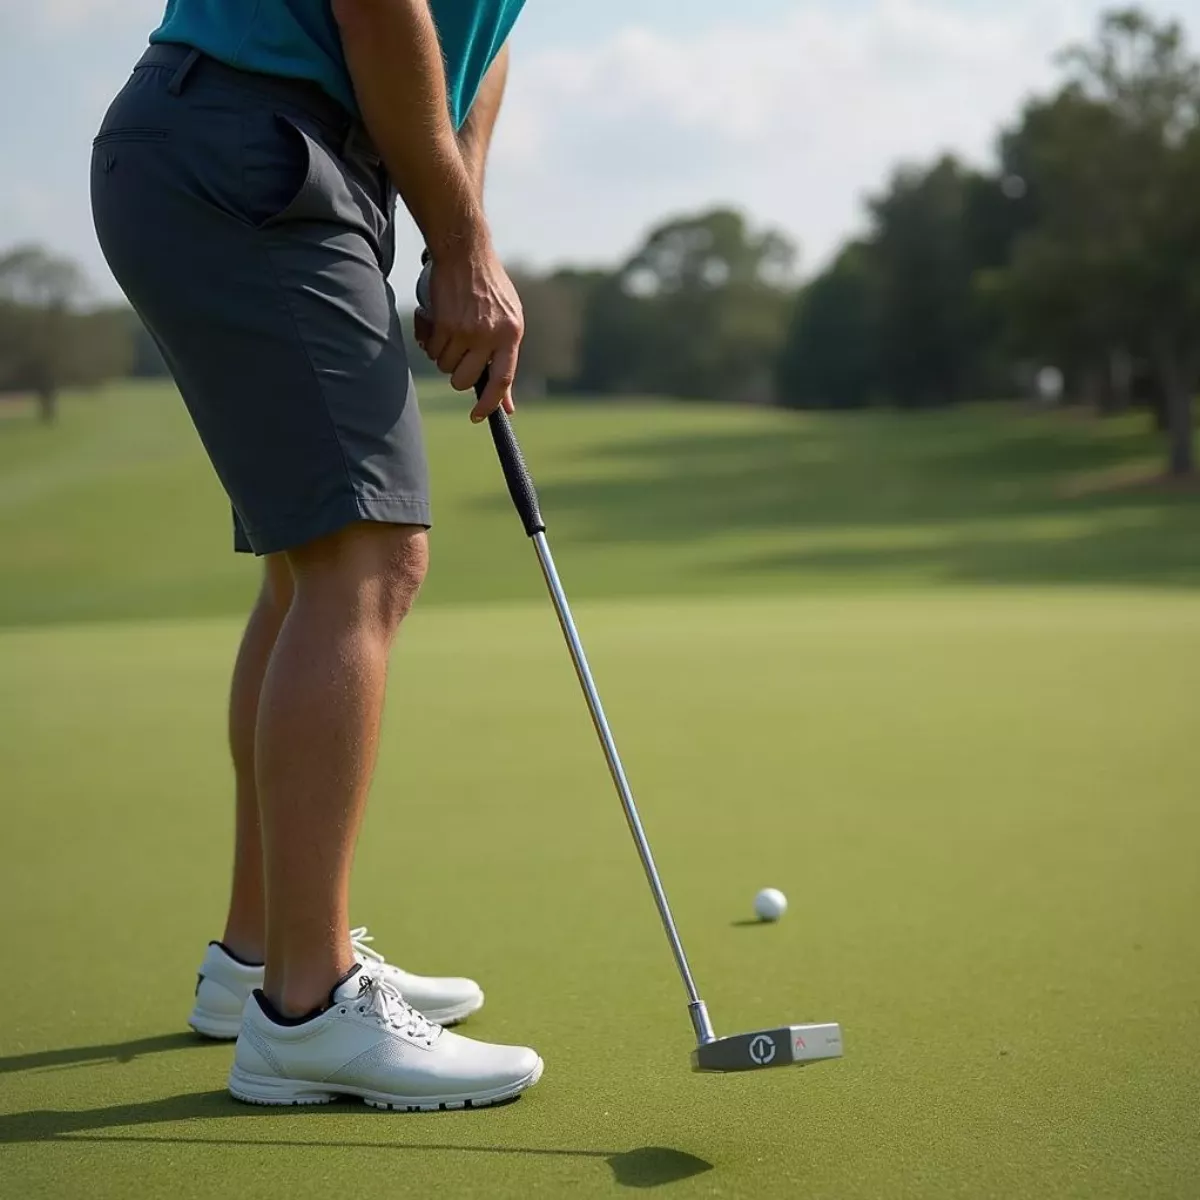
pixel 512 463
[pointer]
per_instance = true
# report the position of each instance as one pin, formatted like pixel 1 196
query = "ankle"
pixel 246 945
pixel 303 993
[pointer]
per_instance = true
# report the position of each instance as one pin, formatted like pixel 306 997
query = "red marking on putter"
pixel 800 1043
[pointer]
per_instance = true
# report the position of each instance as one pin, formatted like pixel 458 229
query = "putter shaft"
pixel 525 500
pixel 696 1007
pixel 741 1052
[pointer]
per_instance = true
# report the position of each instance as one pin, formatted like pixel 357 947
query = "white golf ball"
pixel 770 904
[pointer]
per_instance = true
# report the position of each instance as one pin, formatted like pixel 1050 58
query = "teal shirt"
pixel 299 39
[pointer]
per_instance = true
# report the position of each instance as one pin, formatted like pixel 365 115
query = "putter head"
pixel 791 1046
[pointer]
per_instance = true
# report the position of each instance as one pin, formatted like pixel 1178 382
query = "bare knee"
pixel 405 561
pixel 371 573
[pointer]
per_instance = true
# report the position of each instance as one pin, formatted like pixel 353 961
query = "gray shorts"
pixel 250 223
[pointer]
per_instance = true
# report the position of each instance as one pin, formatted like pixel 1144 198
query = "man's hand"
pixel 395 61
pixel 474 322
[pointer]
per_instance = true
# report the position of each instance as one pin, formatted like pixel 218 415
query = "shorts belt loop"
pixel 175 87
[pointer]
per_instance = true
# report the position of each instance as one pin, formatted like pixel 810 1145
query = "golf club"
pixel 785 1046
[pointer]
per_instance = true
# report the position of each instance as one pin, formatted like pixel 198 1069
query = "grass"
pixel 116 513
pixel 896 670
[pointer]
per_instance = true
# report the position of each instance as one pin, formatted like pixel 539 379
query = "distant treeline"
pixel 1078 252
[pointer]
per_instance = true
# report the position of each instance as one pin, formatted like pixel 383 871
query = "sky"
pixel 619 112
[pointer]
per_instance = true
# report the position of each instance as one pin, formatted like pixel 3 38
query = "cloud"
pixel 794 119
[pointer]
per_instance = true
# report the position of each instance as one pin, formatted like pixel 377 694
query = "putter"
pixel 786 1046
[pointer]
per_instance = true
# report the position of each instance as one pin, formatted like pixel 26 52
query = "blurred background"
pixel 906 204
pixel 962 214
pixel 863 343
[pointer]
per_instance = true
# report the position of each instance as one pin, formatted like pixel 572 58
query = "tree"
pixel 709 251
pixel 616 344
pixel 1110 270
pixel 1173 292
pixel 829 358
pixel 98 346
pixel 553 307
pixel 920 256
pixel 1062 286
pixel 699 310
pixel 147 361
pixel 37 294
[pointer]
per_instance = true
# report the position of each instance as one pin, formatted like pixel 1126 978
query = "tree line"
pixel 1074 257
pixel 1080 249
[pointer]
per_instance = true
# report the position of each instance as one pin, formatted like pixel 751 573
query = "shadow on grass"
pixel 1161 551
pixel 643 1167
pixel 122 1052
pixel 988 496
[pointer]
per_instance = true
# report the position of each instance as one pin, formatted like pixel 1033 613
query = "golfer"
pixel 244 187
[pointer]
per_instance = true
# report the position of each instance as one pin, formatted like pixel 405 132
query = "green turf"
pixel 116 513
pixel 980 800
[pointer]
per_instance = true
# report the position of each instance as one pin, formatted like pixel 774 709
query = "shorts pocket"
pixel 275 167
pixel 130 134
pixel 290 175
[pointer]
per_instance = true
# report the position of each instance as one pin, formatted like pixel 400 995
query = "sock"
pixel 273 1014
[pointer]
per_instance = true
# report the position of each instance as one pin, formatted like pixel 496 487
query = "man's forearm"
pixel 395 61
pixel 475 137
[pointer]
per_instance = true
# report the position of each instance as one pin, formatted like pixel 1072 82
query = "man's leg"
pixel 327 1026
pixel 245 928
pixel 316 741
pixel 233 967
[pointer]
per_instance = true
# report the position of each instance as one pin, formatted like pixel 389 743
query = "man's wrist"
pixel 466 239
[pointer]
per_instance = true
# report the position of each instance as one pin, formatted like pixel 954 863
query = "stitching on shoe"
pixel 262 1047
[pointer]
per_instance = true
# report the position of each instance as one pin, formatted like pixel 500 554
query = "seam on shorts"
pixel 272 528
pixel 287 304
pixel 347 509
pixel 406 497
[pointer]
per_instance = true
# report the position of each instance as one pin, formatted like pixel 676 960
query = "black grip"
pixel 512 463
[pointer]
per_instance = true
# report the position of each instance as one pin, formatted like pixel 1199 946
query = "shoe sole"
pixel 272 1091
pixel 226 1029
pixel 213 1030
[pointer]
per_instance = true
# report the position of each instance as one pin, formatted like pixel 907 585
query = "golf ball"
pixel 770 904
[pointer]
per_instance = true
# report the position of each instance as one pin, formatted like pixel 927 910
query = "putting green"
pixel 982 807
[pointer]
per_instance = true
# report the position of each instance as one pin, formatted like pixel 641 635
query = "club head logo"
pixel 762 1050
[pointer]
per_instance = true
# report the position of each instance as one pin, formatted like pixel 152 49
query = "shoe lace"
pixel 382 999
pixel 360 939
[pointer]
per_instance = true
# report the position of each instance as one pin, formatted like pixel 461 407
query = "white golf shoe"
pixel 369 1043
pixel 225 984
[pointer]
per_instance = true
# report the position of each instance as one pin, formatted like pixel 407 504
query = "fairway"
pixel 117 514
pixel 936 681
